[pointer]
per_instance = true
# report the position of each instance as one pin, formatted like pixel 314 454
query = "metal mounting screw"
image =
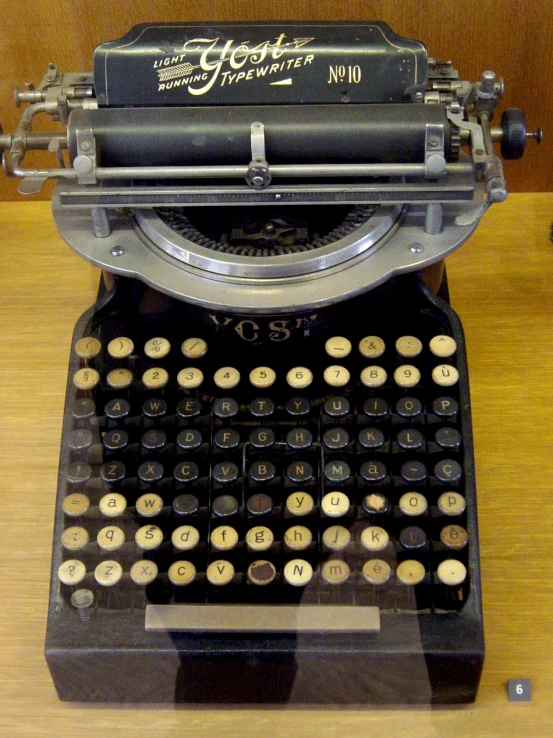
pixel 416 248
pixel 83 599
pixel 117 251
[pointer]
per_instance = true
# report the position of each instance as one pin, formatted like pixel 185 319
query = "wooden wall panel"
pixel 512 37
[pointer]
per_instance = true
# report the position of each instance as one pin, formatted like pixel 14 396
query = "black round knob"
pixel 513 142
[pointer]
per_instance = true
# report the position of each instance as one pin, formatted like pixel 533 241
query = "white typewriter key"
pixel 451 503
pixel 194 348
pixel 149 505
pixel 75 504
pixel 452 572
pixel 297 538
pixel 86 378
pixel 298 572
pixel 410 572
pixel 300 504
pixel 336 538
pixel 445 375
pixel 110 538
pixel 407 376
pixel 443 346
pixel 376 571
pixel 220 572
pixel 335 504
pixel 181 573
pixel 299 377
pixel 373 376
pixel 185 538
pixel 227 377
pixel 262 377
pixel 371 347
pixel 74 538
pixel 143 572
pixel 336 376
pixel 155 378
pixel 112 505
pixel 119 378
pixel 374 538
pixel 72 571
pixel 338 347
pixel 108 573
pixel 88 348
pixel 224 538
pixel 413 503
pixel 259 538
pixel 148 537
pixel 120 347
pixel 157 348
pixel 408 346
pixel 335 571
pixel 190 378
pixel 261 573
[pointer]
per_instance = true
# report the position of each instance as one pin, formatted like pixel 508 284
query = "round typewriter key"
pixel 262 438
pixel 448 470
pixel 373 471
pixel 299 472
pixel 299 439
pixel 117 409
pixel 376 504
pixel 409 407
pixel 225 506
pixel 374 538
pixel 116 440
pixel 153 440
pixel 454 536
pixel 410 572
pixel 410 439
pixel 376 407
pixel 408 346
pixel 108 573
pixel 335 571
pixel 452 572
pixel 261 573
pixel 112 472
pixel 371 438
pixel 335 504
pixel 143 572
pixel 336 538
pixel 225 472
pixel 88 348
pixel 227 377
pixel 298 406
pixel 373 376
pixel 181 573
pixel 338 347
pixel 185 538
pixel 86 378
pixel 407 376
pixel 376 571
pixel 371 347
pixel 300 504
pixel 451 503
pixel 155 378
pixel 225 407
pixel 148 537
pixel 413 504
pixel 154 408
pixel 262 377
pixel 336 376
pixel 337 407
pixel 259 538
pixel 157 348
pixel 445 375
pixel 220 573
pixel 72 572
pixel 83 408
pixel 413 472
pixel 337 472
pixel 259 504
pixel 75 504
pixel 112 505
pixel 299 377
pixel 189 408
pixel 149 505
pixel 226 438
pixel 262 407
pixel 413 538
pixel 78 472
pixel 120 347
pixel 443 346
pixel 297 538
pixel 186 471
pixel 190 377
pixel 298 572
pixel 150 472
pixel 224 538
pixel 448 438
pixel 119 378
pixel 445 407
pixel 110 538
pixel 185 504
pixel 194 348
pixel 336 439
pixel 189 439
pixel 74 538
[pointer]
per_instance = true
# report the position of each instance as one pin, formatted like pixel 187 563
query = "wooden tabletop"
pixel 501 284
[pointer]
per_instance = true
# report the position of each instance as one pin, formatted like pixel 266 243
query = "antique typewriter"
pixel 266 485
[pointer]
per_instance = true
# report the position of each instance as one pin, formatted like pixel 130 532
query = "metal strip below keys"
pixel 262 618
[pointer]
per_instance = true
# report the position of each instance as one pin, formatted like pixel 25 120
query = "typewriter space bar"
pixel 262 618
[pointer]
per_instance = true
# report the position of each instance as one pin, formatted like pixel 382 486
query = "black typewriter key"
pixel 116 440
pixel 448 438
pixel 117 409
pixel 300 472
pixel 262 407
pixel 371 438
pixel 376 504
pixel 185 504
pixel 336 439
pixel 113 471
pixel 298 406
pixel 259 504
pixel 224 506
pixel 225 407
pixel 225 472
pixel 227 438
pixel 337 472
pixel 448 470
pixel 373 471
pixel 409 407
pixel 154 408
pixel 410 439
pixel 80 439
pixel 376 407
pixel 413 538
pixel 445 407
pixel 150 472
pixel 189 439
pixel 83 408
pixel 262 471
pixel 185 471
pixel 153 440
pixel 299 439
pixel 78 472
pixel 336 407
pixel 261 573
pixel 262 438
pixel 413 472
pixel 189 408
